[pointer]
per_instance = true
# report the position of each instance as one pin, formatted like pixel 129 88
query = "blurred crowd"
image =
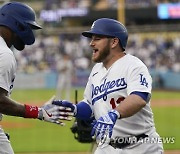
pixel 157 52
pixel 101 4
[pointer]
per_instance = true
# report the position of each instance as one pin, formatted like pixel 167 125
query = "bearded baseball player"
pixel 17 22
pixel 117 94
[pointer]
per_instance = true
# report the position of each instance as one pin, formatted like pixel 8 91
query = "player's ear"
pixel 114 42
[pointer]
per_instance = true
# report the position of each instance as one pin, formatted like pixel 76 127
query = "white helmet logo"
pixel 92 25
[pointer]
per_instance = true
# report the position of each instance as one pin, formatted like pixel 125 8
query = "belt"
pixel 122 142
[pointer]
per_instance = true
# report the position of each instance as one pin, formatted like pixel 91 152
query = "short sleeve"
pixel 139 79
pixel 7 71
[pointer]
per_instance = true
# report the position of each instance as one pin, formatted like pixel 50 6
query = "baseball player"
pixel 117 94
pixel 65 69
pixel 17 21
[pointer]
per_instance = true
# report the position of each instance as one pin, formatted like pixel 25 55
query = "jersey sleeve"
pixel 7 71
pixel 87 93
pixel 139 79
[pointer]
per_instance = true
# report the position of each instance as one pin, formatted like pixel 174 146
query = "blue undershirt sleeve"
pixel 144 95
pixel 84 111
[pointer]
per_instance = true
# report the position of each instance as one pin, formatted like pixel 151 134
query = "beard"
pixel 103 54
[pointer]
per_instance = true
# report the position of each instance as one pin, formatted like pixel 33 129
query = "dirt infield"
pixel 159 103
pixel 7 124
pixel 172 152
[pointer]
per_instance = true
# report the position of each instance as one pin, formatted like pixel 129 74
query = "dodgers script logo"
pixel 106 88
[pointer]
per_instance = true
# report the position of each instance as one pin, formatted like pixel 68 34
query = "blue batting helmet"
pixel 109 27
pixel 20 18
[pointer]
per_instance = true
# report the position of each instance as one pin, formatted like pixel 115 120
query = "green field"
pixel 29 135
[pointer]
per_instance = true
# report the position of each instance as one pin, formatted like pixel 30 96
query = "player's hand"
pixel 66 104
pixel 102 128
pixel 54 113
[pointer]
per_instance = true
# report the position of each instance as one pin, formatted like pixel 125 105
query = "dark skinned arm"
pixel 9 106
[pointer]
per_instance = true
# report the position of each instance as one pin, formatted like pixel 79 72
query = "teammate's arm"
pixel 48 112
pixel 9 106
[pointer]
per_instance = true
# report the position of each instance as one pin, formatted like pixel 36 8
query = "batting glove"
pixel 104 125
pixel 67 105
pixel 54 113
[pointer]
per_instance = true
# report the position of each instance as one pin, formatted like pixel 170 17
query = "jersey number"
pixel 118 101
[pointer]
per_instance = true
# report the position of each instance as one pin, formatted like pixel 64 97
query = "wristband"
pixel 31 111
pixel 117 113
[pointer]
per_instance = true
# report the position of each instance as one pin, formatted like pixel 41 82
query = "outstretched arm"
pixel 9 106
pixel 48 112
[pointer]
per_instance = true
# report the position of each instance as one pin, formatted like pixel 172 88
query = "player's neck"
pixel 7 35
pixel 112 59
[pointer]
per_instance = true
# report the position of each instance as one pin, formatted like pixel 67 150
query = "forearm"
pixel 130 106
pixel 48 112
pixel 10 107
pixel 13 108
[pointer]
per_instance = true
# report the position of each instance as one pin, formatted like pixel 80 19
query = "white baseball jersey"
pixel 106 88
pixel 7 75
pixel 8 67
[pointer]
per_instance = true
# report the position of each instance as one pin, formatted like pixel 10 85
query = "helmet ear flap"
pixel 20 27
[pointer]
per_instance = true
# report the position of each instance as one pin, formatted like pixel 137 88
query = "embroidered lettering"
pixel 106 87
pixel 143 80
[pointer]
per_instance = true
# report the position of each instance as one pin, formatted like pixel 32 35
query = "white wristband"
pixel 40 114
